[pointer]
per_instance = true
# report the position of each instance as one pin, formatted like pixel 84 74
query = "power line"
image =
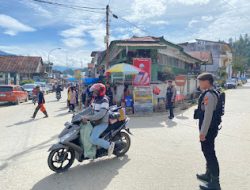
pixel 76 7
pixel 83 7
pixel 234 7
pixel 101 21
pixel 134 25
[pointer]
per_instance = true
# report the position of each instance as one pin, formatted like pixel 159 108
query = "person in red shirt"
pixel 41 102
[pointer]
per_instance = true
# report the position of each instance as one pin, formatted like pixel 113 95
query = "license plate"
pixel 2 95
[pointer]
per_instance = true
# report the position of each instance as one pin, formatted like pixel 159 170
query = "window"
pixel 6 89
pixel 145 53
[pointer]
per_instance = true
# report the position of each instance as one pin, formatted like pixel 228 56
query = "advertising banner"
pixel 143 100
pixel 143 78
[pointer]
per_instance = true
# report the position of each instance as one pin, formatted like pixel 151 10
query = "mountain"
pixel 5 53
pixel 60 68
pixel 64 68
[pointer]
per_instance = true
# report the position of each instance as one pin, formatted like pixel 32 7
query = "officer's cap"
pixel 206 76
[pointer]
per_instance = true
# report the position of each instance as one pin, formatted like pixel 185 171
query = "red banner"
pixel 143 78
pixel 180 80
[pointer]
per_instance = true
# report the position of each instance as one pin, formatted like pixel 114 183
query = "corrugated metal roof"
pixel 204 56
pixel 21 64
pixel 141 44
pixel 143 39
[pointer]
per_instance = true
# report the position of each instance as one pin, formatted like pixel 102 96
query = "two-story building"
pixel 164 55
pixel 221 53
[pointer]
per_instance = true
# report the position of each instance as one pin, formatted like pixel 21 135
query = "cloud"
pixel 144 9
pixel 98 35
pixel 192 22
pixel 78 30
pixel 64 57
pixel 37 8
pixel 190 2
pixel 159 22
pixel 12 26
pixel 230 23
pixel 74 42
pixel 207 18
pixel 84 31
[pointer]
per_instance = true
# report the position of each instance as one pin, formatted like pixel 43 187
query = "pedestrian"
pixel 41 102
pixel 89 96
pixel 208 126
pixel 109 93
pixel 72 101
pixel 76 88
pixel 84 96
pixel 170 98
pixel 68 97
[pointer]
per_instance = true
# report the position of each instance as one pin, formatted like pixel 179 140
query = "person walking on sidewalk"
pixel 109 93
pixel 72 97
pixel 208 125
pixel 170 98
pixel 41 102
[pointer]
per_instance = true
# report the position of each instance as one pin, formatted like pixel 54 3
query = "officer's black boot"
pixel 204 177
pixel 214 184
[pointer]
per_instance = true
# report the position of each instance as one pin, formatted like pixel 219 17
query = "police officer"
pixel 170 98
pixel 208 130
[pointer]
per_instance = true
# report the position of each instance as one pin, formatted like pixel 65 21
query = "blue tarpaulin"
pixel 84 80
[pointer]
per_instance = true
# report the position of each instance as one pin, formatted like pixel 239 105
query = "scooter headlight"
pixel 66 136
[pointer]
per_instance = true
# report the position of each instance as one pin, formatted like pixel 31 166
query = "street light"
pixel 49 55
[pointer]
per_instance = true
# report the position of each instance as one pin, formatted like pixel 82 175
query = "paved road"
pixel 164 155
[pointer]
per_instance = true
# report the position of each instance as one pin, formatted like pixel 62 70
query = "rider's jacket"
pixel 100 107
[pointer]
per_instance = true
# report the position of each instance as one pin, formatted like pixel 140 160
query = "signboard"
pixel 143 78
pixel 180 80
pixel 143 100
pixel 78 74
pixel 91 65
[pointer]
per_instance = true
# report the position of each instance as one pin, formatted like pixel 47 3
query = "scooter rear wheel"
pixel 125 139
pixel 60 160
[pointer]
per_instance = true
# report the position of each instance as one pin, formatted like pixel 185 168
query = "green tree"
pixel 241 53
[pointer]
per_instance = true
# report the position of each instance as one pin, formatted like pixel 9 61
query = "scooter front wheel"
pixel 60 160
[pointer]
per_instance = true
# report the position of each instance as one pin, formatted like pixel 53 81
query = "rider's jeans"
pixel 95 134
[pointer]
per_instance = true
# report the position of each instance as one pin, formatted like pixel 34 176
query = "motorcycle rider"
pixel 59 89
pixel 99 118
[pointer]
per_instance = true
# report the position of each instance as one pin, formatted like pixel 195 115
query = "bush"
pixel 27 81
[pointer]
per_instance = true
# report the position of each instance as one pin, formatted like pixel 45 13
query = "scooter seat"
pixel 112 127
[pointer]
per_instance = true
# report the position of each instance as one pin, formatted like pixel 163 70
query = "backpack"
pixel 220 107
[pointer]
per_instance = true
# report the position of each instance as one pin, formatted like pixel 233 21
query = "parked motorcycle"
pixel 63 154
pixel 58 96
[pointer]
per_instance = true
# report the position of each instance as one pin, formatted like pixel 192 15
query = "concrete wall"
pixel 189 88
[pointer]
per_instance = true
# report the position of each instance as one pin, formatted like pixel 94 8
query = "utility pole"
pixel 80 89
pixel 107 36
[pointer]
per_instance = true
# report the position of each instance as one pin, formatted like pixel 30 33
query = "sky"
pixel 32 28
